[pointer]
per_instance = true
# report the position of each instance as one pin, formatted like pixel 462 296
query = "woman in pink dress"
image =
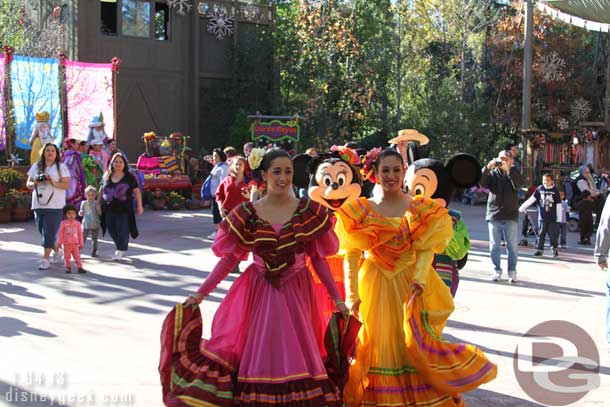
pixel 266 345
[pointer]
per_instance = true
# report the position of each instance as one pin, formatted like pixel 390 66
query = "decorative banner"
pixel 35 88
pixel 89 92
pixel 276 130
pixel 2 123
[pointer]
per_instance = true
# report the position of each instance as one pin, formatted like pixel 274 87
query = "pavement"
pixel 93 339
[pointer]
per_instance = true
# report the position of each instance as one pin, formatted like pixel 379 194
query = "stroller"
pixel 529 226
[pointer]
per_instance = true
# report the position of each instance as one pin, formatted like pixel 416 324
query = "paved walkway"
pixel 94 339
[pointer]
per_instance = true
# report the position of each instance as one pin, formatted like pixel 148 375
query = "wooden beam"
pixel 607 98
pixel 195 113
pixel 526 112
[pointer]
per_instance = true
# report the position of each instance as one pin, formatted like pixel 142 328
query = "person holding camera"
pixel 503 180
pixel 48 179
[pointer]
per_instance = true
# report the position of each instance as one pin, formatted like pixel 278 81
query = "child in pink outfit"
pixel 70 236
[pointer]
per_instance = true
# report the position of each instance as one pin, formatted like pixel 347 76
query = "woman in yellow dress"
pixel 402 302
pixel 41 136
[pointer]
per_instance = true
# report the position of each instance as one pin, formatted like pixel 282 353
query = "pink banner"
pixel 89 94
pixel 2 123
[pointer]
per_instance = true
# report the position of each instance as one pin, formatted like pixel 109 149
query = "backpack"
pixel 206 189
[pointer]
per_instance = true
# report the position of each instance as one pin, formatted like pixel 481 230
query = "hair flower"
pixel 255 158
pixel 368 162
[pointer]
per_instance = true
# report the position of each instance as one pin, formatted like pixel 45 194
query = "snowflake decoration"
pixel 183 6
pixel 550 67
pixel 580 109
pixel 563 124
pixel 221 22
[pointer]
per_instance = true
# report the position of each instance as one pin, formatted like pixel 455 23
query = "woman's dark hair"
pixel 272 155
pixel 42 165
pixel 110 170
pixel 388 152
pixel 67 208
pixel 221 154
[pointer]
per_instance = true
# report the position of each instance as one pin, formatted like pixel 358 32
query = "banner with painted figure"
pixel 35 88
pixel 2 122
pixel 89 93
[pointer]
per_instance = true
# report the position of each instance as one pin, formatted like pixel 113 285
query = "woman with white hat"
pixel 97 134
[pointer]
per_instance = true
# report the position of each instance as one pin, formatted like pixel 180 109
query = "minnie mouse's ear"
pixel 300 163
pixel 412 152
pixel 464 170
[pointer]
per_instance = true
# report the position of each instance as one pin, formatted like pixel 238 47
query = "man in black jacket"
pixel 503 180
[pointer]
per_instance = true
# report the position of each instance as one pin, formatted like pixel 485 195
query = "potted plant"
pixel 10 179
pixel 175 201
pixel 21 205
pixel 158 199
pixel 5 209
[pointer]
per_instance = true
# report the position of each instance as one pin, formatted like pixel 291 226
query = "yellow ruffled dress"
pixel 36 151
pixel 401 359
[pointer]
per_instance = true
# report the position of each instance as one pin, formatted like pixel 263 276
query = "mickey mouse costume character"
pixel 433 179
pixel 333 180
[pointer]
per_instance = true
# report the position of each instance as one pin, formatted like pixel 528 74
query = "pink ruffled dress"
pixel 266 345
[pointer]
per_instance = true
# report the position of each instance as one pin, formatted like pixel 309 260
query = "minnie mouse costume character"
pixel 433 179
pixel 332 181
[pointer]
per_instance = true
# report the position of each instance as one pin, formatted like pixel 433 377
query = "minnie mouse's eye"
pixel 341 179
pixel 327 180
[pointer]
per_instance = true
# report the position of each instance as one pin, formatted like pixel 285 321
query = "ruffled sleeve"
pixel 327 244
pixel 227 242
pixel 351 230
pixel 237 231
pixel 431 230
pixel 430 225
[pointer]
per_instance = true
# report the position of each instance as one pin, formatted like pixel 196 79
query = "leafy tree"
pixel 28 36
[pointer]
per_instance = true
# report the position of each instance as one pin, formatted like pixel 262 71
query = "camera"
pixel 41 177
pixel 498 162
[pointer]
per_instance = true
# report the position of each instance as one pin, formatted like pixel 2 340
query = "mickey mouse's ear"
pixel 412 152
pixel 464 170
pixel 300 163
